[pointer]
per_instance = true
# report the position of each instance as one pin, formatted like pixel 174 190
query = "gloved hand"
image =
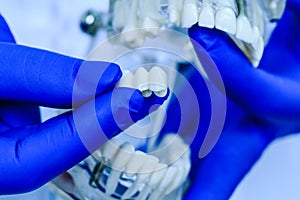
pixel 262 104
pixel 32 153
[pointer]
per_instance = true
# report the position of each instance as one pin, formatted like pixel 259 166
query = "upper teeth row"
pixel 153 176
pixel 245 21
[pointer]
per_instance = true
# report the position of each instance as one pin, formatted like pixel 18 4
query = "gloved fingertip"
pixel 136 101
pixel 111 75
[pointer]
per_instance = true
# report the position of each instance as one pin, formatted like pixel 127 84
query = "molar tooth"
pixel 225 20
pixel 206 17
pixel 189 13
pixel 118 164
pixel 244 29
pixel 158 81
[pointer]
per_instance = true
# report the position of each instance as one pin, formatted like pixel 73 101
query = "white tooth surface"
pixel 151 26
pixel 142 175
pixel 175 10
pixel 140 80
pixel 189 14
pixel 149 12
pixel 206 17
pixel 244 29
pixel 158 81
pixel 258 47
pixel 177 181
pixel 110 148
pixel 122 157
pixel 131 35
pixel 126 80
pixel 155 178
pixel 135 163
pixel 226 20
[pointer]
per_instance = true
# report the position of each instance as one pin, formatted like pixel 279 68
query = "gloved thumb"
pixel 251 88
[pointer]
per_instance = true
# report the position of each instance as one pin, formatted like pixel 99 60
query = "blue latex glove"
pixel 32 153
pixel 263 104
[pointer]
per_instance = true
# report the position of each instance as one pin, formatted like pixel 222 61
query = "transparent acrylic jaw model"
pixel 249 23
pixel 137 164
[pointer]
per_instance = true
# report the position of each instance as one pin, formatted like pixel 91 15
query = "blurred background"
pixel 54 25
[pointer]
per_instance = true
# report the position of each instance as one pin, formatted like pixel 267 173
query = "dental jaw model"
pixel 248 22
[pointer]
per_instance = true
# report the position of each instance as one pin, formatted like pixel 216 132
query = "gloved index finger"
pixel 49 79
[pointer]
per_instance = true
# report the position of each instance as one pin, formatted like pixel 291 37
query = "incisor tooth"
pixel 126 80
pixel 123 156
pixel 206 17
pixel 175 9
pixel 177 181
pixel 226 20
pixel 189 14
pixel 135 163
pixel 244 29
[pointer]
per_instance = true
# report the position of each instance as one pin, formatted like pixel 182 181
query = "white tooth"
pixel 135 163
pixel 158 81
pixel 206 17
pixel 123 156
pixel 131 35
pixel 189 14
pixel 140 81
pixel 126 80
pixel 143 174
pixel 174 17
pixel 257 46
pixel 167 179
pixel 149 13
pixel 151 26
pixel 226 20
pixel 175 9
pixel 157 175
pixel 244 29
pixel 119 15
pixel 110 148
pixel 177 181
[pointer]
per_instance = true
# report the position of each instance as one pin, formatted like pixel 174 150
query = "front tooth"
pixel 126 80
pixel 123 156
pixel 257 46
pixel 175 9
pixel 141 81
pixel 189 13
pixel 207 15
pixel 149 13
pixel 149 165
pixel 226 20
pixel 131 35
pixel 155 179
pixel 158 81
pixel 244 29
pixel 177 181
pixel 167 179
pixel 135 163
pixel 110 148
